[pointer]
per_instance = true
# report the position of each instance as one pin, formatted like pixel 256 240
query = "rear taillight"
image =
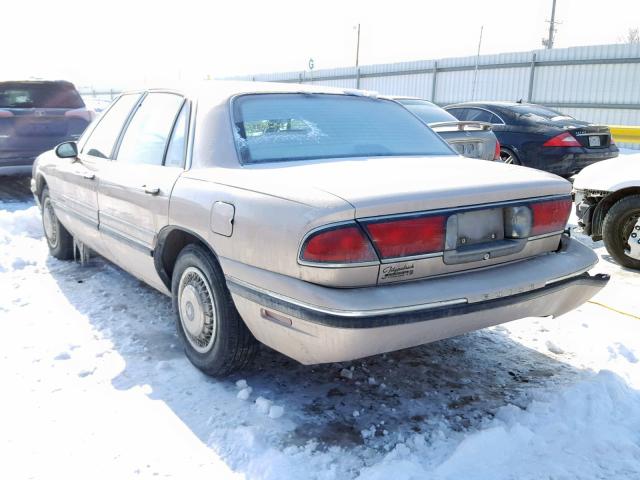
pixel 550 216
pixel 408 237
pixel 5 114
pixel 496 153
pixel 80 113
pixel 563 140
pixel 342 244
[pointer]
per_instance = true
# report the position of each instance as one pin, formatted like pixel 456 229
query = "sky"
pixel 125 44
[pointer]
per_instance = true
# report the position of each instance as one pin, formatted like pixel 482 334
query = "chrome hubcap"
pixel 50 223
pixel 506 157
pixel 632 234
pixel 196 310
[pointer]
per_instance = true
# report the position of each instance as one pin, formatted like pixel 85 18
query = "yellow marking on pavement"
pixel 614 309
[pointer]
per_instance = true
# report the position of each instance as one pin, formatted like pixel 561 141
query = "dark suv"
pixel 35 116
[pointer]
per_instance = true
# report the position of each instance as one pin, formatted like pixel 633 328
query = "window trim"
pixel 104 114
pixel 469 107
pixel 232 123
pixel 185 104
pixel 126 124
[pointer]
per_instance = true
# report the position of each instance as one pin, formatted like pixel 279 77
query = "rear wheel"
pixel 216 339
pixel 621 231
pixel 58 238
pixel 509 156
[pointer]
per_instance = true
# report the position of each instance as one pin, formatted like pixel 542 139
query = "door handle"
pixel 151 190
pixel 85 174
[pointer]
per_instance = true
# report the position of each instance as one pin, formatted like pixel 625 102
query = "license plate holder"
pixel 475 227
pixel 594 141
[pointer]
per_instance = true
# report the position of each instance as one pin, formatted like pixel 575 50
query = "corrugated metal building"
pixel 600 84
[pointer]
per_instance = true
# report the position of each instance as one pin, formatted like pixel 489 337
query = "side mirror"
pixel 67 150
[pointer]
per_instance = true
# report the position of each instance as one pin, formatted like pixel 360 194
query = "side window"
pixel 103 137
pixel 177 144
pixel 459 113
pixel 479 115
pixel 146 136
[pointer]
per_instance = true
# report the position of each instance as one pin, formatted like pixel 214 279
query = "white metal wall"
pixel 600 84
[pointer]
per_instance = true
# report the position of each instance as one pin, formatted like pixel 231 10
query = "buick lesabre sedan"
pixel 329 225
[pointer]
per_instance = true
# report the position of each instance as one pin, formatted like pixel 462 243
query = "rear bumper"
pixel 16 162
pixel 567 161
pixel 321 324
pixel 15 170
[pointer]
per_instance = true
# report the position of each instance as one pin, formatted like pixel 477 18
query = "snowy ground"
pixel 95 385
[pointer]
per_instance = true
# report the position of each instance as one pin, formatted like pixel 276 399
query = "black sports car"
pixel 539 137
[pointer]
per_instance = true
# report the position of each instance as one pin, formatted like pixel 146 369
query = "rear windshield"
pixel 289 127
pixel 427 111
pixel 39 95
pixel 538 112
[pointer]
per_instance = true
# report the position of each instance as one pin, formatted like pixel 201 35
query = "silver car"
pixel 471 139
pixel 329 225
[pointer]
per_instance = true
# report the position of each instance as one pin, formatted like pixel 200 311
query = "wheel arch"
pixel 171 240
pixel 41 182
pixel 513 149
pixel 603 207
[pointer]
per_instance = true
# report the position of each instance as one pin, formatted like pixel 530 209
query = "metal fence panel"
pixel 600 83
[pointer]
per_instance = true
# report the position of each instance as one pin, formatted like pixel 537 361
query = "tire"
pixel 617 227
pixel 509 156
pixel 216 339
pixel 59 239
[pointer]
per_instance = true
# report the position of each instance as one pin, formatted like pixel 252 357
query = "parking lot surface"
pixel 95 384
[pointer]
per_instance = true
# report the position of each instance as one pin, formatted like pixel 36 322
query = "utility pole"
pixel 358 46
pixel 475 73
pixel 552 27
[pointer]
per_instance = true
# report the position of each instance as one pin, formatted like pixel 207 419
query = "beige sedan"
pixel 327 224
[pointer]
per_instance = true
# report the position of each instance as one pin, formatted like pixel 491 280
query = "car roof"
pixel 501 104
pixel 393 97
pixel 34 81
pixel 217 91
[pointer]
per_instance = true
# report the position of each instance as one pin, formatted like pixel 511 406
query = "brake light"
pixel 403 238
pixel 344 244
pixel 550 216
pixel 563 140
pixel 5 114
pixel 496 153
pixel 80 113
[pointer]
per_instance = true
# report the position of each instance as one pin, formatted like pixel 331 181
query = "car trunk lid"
pixel 591 136
pixel 469 139
pixel 387 186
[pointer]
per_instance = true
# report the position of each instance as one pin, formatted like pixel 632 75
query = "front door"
pixel 78 178
pixel 134 189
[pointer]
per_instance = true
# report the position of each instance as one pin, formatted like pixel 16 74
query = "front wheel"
pixel 621 231
pixel 58 238
pixel 216 339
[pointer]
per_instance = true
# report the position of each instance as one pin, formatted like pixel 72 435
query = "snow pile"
pixel 589 430
pixel 97 381
pixel 20 238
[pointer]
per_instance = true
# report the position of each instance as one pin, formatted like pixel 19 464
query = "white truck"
pixel 607 199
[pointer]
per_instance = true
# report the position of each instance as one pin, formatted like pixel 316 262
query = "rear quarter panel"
pixel 267 230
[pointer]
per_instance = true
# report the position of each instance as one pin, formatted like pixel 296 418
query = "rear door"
pixel 135 188
pixel 75 186
pixel 36 116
